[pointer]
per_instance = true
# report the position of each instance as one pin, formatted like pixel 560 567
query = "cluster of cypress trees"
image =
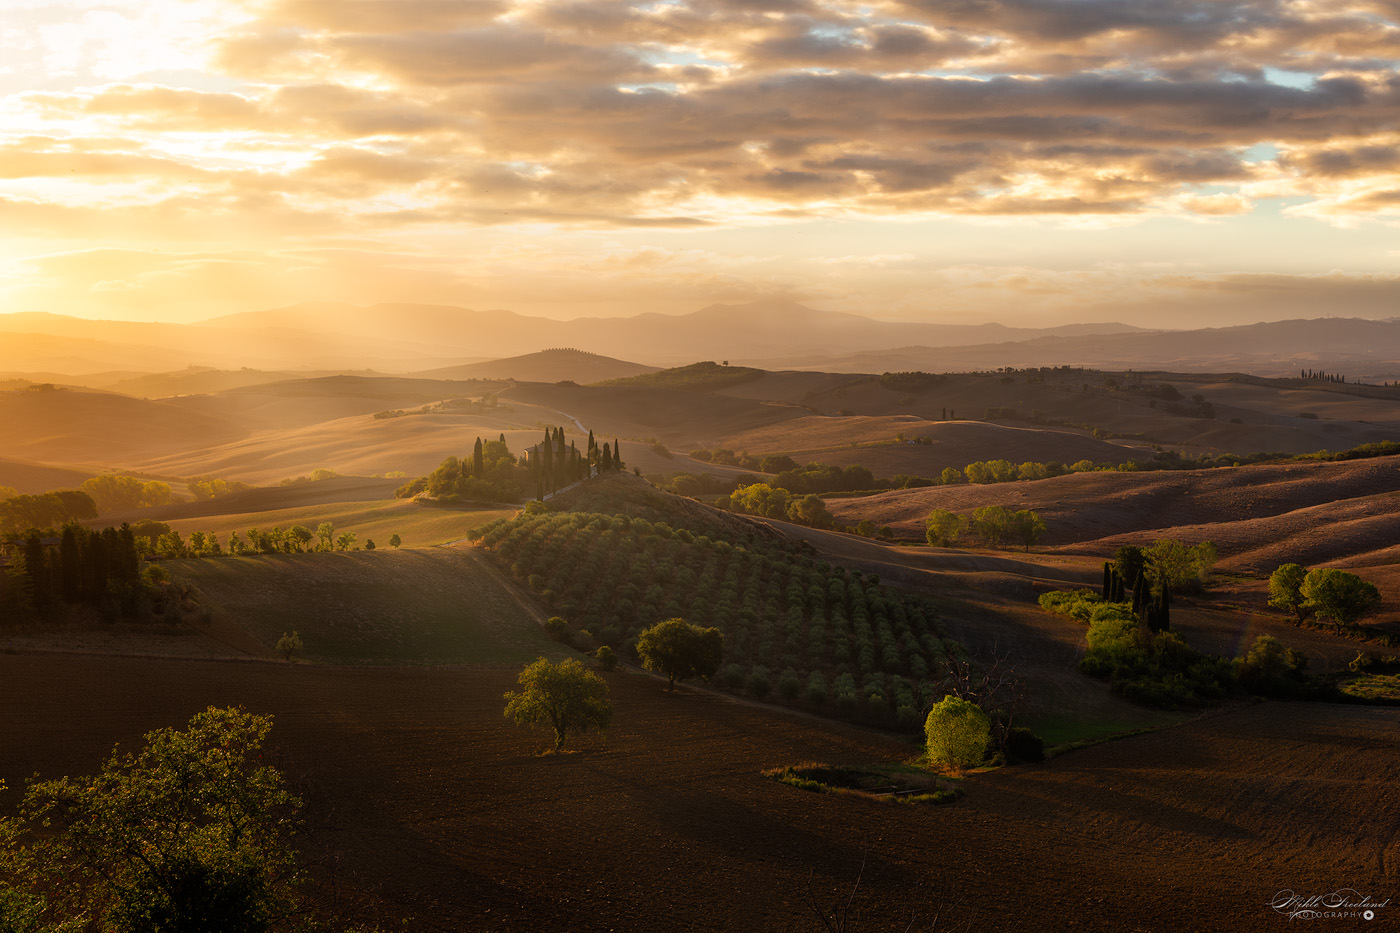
pixel 556 464
pixel 1323 377
pixel 1151 600
pixel 101 568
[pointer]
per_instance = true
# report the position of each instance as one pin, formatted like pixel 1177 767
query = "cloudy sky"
pixel 1169 162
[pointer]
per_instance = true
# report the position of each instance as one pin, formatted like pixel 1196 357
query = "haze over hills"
pixel 555 365
pixel 1363 349
pixel 437 339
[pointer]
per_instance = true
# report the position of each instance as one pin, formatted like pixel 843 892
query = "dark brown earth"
pixel 444 814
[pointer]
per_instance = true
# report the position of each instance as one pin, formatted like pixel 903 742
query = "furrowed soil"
pixel 442 814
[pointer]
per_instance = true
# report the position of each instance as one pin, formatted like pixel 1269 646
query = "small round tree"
pixel 958 733
pixel 681 650
pixel 566 695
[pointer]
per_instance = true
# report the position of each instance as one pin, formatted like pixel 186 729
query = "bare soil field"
pixel 839 441
pixel 31 477
pixel 1089 512
pixel 416 604
pixel 443 815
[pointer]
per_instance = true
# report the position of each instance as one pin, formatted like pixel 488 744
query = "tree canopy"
pixel 1338 595
pixel 681 650
pixel 957 732
pixel 566 695
pixel 191 834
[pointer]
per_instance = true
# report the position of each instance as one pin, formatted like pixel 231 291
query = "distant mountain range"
pixel 442 341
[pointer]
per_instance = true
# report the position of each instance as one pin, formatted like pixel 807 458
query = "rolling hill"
pixel 545 366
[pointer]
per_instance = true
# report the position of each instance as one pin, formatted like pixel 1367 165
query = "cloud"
pixel 403 118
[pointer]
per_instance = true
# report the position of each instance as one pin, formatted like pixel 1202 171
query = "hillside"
pixel 1366 349
pixel 1140 408
pixel 82 427
pixel 424 605
pixel 544 366
pixel 871 442
pixel 1260 516
pixel 30 477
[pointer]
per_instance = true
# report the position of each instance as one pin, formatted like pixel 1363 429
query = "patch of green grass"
pixel 430 605
pixel 1063 733
pixel 1372 686
pixel 896 783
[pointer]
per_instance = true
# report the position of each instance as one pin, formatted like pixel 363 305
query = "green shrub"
pixel 1024 745
pixel 607 658
pixel 957 733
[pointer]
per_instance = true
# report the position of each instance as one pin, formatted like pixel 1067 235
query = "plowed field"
pixel 444 814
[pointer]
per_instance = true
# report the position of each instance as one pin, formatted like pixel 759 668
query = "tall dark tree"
pixel 70 563
pixel 605 463
pixel 617 455
pixel 36 561
pixel 478 460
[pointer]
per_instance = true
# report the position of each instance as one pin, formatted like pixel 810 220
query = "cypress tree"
pixel 40 572
pixel 478 461
pixel 617 455
pixel 70 564
pixel 605 464
pixel 128 564
pixel 1107 592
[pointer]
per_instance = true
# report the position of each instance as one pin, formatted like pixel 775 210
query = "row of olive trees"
pixel 993 524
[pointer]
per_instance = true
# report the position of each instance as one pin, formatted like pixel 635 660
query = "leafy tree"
pixel 957 732
pixel 395 541
pixel 1129 561
pixel 1270 669
pixel 1180 566
pixel 607 658
pixel 325 532
pixel 289 644
pixel 1026 526
pixel 1286 589
pixel 810 510
pixel 944 527
pixel 191 834
pixel 567 696
pixel 993 524
pixel 117 493
pixel 681 650
pixel 1338 595
pixel 951 476
pixel 345 541
pixel 777 463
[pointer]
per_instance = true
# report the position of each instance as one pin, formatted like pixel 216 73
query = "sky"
pixel 1173 163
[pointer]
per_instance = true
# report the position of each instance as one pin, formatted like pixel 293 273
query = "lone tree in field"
pixel 958 733
pixel 191 833
pixel 1337 595
pixel 566 695
pixel 681 650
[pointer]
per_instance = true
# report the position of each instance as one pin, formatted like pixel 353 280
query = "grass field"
pixel 428 605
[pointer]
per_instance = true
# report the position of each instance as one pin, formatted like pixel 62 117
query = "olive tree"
pixel 681 650
pixel 567 696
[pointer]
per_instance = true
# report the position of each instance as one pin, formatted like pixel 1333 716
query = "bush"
pixel 958 733
pixel 558 629
pixel 289 644
pixel 1023 745
pixel 759 684
pixel 607 658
